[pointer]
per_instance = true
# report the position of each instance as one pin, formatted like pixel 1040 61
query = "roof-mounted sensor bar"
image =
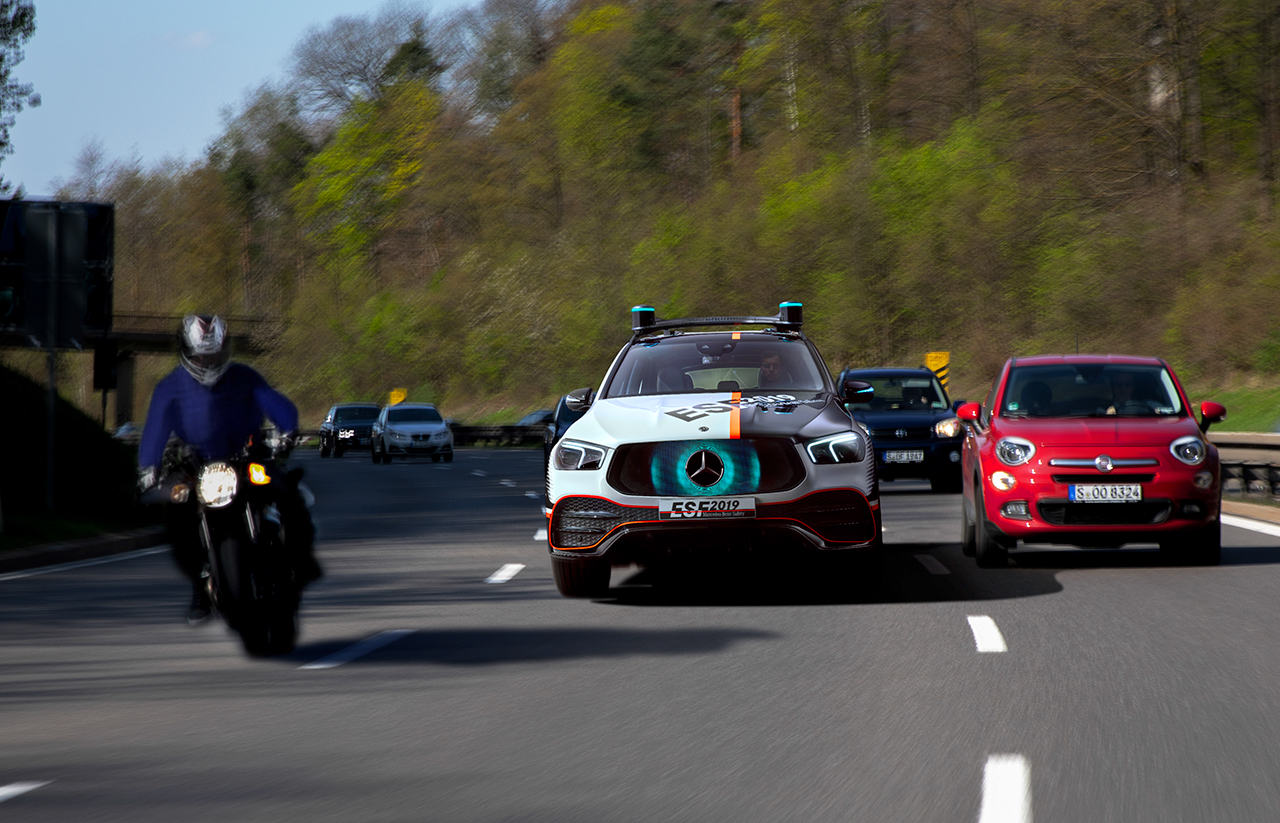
pixel 789 318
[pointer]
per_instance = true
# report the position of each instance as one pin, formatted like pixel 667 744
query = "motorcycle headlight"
pixel 572 455
pixel 947 428
pixel 846 447
pixel 217 485
pixel 1014 451
pixel 1190 450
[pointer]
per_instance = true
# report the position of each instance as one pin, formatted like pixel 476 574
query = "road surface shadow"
pixel 483 647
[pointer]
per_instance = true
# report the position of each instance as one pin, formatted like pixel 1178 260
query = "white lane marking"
pixel 933 564
pixel 1006 790
pixel 1252 525
pixel 533 495
pixel 505 573
pixel 986 634
pixel 540 534
pixel 80 564
pixel 358 649
pixel 510 484
pixel 478 473
pixel 15 789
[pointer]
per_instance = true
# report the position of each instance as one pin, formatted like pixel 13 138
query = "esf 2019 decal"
pixel 691 413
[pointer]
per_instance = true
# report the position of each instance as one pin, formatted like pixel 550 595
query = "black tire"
pixel 1201 547
pixel 581 576
pixel 967 545
pixel 946 482
pixel 275 632
pixel 324 450
pixel 988 550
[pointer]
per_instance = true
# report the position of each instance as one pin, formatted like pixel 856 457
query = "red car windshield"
pixel 1090 390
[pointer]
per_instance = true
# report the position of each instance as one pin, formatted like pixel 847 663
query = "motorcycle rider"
pixel 214 406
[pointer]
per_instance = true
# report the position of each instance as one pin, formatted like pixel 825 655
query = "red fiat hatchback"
pixel 1093 451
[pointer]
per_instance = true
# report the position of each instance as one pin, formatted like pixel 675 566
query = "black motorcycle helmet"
pixel 206 351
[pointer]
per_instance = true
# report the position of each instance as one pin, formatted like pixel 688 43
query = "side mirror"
pixel 1211 413
pixel 856 391
pixel 580 399
pixel 968 412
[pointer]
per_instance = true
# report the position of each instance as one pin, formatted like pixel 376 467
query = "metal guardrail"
pixel 1250 463
pixel 498 435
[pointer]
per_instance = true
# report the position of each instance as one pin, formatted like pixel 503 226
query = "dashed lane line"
pixel 986 634
pixel 540 535
pixel 932 564
pixel 1006 790
pixel 80 564
pixel 505 573
pixel 14 789
pixel 360 649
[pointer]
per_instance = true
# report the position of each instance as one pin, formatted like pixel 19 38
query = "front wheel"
pixel 274 632
pixel 581 576
pixel 987 549
pixel 1198 547
pixel 324 448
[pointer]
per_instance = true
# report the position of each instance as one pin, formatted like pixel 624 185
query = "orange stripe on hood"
pixel 735 417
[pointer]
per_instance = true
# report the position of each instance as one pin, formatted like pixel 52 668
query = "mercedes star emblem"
pixel 900 432
pixel 704 468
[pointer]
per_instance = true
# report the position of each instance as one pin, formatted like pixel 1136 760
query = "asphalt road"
pixel 1125 690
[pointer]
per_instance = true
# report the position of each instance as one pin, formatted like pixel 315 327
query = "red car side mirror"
pixel 969 412
pixel 1210 413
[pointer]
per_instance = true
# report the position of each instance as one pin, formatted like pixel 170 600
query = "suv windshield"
pixel 356 414
pixel 1090 390
pixel 417 415
pixel 902 392
pixel 691 363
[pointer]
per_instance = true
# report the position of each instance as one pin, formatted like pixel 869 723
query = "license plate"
pixel 916 456
pixel 706 508
pixel 1107 493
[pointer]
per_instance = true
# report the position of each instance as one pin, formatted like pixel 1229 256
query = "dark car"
pixel 913 425
pixel 347 426
pixel 561 419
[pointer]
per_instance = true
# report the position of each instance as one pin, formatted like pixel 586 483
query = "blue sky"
pixel 151 77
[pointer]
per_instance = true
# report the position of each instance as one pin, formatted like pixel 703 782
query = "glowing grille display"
pixel 670 465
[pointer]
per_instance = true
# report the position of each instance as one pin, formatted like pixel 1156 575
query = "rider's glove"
pixel 148 477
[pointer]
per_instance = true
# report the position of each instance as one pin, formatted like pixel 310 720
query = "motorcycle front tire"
pixel 266 626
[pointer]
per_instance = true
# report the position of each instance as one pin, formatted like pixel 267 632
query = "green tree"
pixel 17 24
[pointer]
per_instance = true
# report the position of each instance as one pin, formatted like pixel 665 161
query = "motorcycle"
pixel 251 575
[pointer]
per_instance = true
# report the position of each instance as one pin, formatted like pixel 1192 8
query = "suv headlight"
pixel 947 428
pixel 1190 450
pixel 346 433
pixel 1014 451
pixel 573 455
pixel 846 447
pixel 217 485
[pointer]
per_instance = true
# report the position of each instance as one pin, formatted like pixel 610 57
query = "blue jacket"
pixel 216 420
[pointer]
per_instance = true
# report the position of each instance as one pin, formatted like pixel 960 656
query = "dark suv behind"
pixel 913 425
pixel 347 426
